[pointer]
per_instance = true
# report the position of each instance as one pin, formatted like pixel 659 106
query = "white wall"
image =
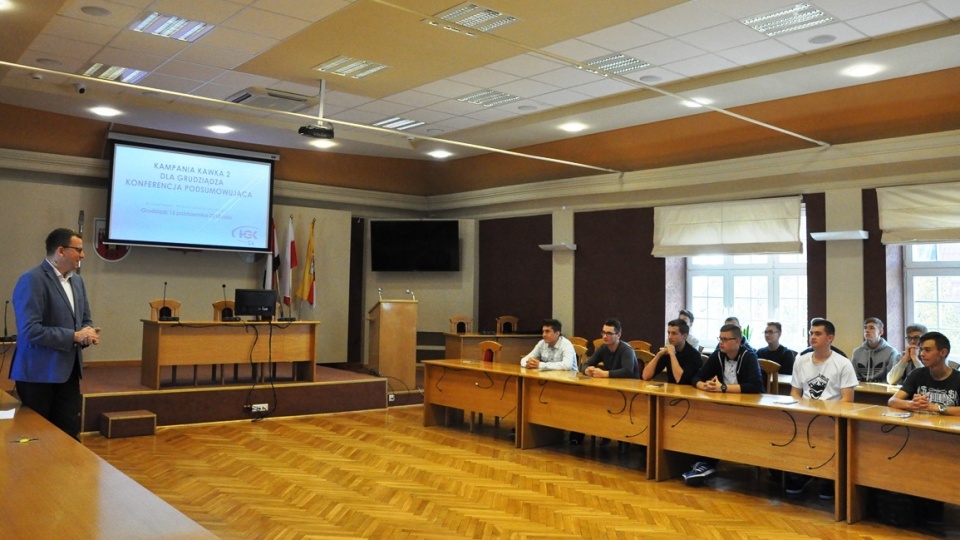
pixel 120 291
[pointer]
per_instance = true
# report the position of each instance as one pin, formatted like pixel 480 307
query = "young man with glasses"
pixel 53 327
pixel 875 357
pixel 910 359
pixel 618 358
pixel 775 351
pixel 731 369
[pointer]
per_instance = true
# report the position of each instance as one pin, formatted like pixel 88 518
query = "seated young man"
pixel 732 368
pixel 775 350
pixel 553 352
pixel 618 357
pixel 678 358
pixel 825 375
pixel 933 388
pixel 875 357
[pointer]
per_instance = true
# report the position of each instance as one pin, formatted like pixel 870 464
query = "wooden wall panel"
pixel 516 276
pixel 816 207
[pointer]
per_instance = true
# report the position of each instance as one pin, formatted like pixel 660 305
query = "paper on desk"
pixel 7 414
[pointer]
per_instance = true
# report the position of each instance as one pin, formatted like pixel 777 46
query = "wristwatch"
pixel 942 408
pixel 723 387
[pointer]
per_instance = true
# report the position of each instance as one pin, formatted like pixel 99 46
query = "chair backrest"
pixel 507 324
pixel 223 308
pixel 597 343
pixel 578 341
pixel 166 307
pixel 581 351
pixel 769 370
pixel 644 356
pixel 490 351
pixel 639 344
pixel 461 324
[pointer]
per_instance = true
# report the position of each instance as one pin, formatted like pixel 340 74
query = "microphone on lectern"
pixel 411 294
pixel 165 313
pixel 226 314
pixel 380 293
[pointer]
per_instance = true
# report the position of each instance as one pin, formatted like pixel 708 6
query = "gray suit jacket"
pixel 46 324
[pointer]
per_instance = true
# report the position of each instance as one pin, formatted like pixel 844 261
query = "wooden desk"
pixel 553 401
pixel 870 393
pixel 55 488
pixel 757 429
pixel 906 455
pixel 451 387
pixel 467 346
pixel 179 343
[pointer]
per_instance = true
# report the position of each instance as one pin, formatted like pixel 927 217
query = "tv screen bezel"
pixel 256 302
pixel 189 148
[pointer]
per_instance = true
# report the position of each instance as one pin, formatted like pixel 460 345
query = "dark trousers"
pixel 57 402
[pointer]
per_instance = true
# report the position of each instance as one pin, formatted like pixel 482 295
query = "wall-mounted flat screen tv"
pixel 415 246
pixel 169 194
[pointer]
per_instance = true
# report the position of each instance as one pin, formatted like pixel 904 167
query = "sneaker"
pixel 826 490
pixel 796 483
pixel 698 474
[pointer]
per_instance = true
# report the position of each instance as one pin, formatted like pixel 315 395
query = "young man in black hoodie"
pixel 731 369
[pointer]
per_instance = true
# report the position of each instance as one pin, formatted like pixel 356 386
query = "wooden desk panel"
pixel 179 343
pixel 467 346
pixel 453 386
pixel 905 455
pixel 55 488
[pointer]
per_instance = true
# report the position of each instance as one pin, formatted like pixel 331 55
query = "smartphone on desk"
pixel 898 414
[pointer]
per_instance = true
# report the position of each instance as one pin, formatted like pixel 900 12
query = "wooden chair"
pixel 489 352
pixel 581 351
pixel 769 370
pixel 597 343
pixel 167 307
pixel 640 344
pixel 507 324
pixel 644 356
pixel 578 341
pixel 461 324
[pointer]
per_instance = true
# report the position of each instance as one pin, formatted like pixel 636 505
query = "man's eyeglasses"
pixel 912 338
pixel 608 334
pixel 79 249
pixel 726 339
pixel 770 332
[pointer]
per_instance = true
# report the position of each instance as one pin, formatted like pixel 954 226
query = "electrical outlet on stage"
pixel 259 407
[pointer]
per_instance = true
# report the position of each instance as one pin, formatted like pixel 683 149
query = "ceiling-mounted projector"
pixel 323 130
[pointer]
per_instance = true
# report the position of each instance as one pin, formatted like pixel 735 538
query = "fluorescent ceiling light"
pixel 323 143
pixel 170 26
pixel 105 111
pixel 488 98
pixel 473 16
pixel 354 68
pixel 862 70
pixel 787 20
pixel 573 127
pixel 115 73
pixel 617 63
pixel 440 154
pixel 221 129
pixel 6 4
pixel 399 124
pixel 696 102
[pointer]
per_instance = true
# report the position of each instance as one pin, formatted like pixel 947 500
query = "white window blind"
pixel 919 214
pixel 728 228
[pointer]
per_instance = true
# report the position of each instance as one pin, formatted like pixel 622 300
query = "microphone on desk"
pixel 380 293
pixel 226 314
pixel 165 313
pixel 411 294
pixel 7 338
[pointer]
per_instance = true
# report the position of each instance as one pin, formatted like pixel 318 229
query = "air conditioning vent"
pixel 275 100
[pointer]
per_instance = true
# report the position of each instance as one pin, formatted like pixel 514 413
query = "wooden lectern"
pixel 393 342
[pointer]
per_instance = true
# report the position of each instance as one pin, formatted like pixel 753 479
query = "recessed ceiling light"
pixel 473 16
pixel 171 27
pixel 617 63
pixel 322 143
pixel 114 73
pixel 6 4
pixel 489 98
pixel 354 68
pixel 822 39
pixel 105 111
pixel 697 102
pixel 434 131
pixel 790 19
pixel 49 62
pixel 862 70
pixel 527 108
pixel 399 124
pixel 96 11
pixel 649 79
pixel 440 154
pixel 221 129
pixel 573 127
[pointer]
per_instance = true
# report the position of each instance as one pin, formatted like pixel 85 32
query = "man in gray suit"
pixel 53 327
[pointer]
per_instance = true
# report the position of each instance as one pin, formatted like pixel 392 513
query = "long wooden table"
pixel 178 343
pixel 851 444
pixel 467 346
pixel 54 487
pixel 865 392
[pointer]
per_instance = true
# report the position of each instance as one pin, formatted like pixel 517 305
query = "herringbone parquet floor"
pixel 380 474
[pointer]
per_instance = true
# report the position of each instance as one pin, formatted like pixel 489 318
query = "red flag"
pixel 288 261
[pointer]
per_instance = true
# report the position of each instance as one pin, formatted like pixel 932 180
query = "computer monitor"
pixel 258 302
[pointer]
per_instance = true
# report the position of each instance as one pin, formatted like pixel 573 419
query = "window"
pixel 932 287
pixel 755 289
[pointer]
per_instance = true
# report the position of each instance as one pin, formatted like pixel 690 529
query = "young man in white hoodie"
pixel 875 358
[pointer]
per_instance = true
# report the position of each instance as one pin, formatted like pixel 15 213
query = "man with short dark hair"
pixel 677 357
pixel 743 338
pixel 874 359
pixel 910 359
pixel 53 327
pixel 618 358
pixel 809 349
pixel 687 315
pixel 553 352
pixel 774 350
